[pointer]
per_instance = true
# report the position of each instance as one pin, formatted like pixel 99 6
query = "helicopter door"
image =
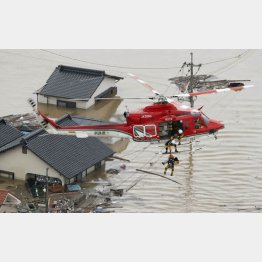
pixel 140 131
pixel 164 129
pixel 176 126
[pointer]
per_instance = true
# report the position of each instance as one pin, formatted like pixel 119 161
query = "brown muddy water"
pixel 225 175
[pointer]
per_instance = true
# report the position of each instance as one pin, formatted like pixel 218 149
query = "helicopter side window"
pixel 138 131
pixel 150 130
pixel 144 131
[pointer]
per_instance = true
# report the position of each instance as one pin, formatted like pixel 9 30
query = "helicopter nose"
pixel 215 126
pixel 220 125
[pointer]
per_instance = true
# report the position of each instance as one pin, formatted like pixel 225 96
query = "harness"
pixel 172 161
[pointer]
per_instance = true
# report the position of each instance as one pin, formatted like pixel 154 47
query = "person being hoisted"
pixel 170 163
pixel 169 144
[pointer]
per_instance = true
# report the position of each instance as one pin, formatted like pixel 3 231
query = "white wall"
pixel 15 161
pixel 41 99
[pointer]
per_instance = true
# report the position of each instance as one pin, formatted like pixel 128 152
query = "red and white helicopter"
pixel 154 122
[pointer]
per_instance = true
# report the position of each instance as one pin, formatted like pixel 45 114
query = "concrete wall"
pixel 106 83
pixel 15 161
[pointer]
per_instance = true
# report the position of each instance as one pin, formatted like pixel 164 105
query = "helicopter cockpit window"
pixel 205 118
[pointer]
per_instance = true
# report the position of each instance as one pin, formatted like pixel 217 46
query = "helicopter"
pixel 158 121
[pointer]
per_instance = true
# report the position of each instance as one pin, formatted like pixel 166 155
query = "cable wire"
pixel 107 65
pixel 221 60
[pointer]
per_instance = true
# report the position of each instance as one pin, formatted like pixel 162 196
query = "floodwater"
pixel 223 175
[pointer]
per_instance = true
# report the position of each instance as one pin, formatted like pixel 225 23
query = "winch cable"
pixel 138 152
pixel 155 158
pixel 140 178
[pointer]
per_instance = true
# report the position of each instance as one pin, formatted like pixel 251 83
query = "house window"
pixel 24 149
pixel 97 165
pixel 66 104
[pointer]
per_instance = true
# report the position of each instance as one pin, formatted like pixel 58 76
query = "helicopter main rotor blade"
pixel 122 98
pixel 219 90
pixel 107 98
pixel 144 83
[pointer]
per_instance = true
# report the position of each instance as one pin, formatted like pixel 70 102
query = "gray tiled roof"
pixel 34 134
pixel 26 137
pixel 73 83
pixel 69 155
pixel 66 120
pixel 10 145
pixel 7 133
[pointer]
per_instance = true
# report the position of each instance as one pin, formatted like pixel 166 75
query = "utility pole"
pixel 190 86
pixel 191 81
pixel 46 192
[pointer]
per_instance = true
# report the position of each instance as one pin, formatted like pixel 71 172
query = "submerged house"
pixel 67 158
pixel 74 87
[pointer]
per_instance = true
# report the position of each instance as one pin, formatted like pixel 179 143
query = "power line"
pixel 27 56
pixel 222 60
pixel 107 65
pixel 227 67
pixel 114 66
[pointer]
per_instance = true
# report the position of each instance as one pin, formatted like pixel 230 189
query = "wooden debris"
pixel 120 158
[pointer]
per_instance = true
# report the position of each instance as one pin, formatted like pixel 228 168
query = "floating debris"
pixel 116 168
pixel 117 192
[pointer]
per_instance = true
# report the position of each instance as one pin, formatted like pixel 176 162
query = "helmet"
pixel 180 131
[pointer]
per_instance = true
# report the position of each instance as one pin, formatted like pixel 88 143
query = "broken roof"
pixel 69 155
pixel 73 82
